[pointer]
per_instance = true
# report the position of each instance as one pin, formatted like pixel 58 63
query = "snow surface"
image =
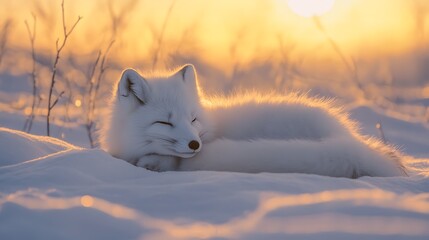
pixel 50 189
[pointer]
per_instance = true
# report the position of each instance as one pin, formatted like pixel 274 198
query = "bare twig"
pixel 56 100
pixel 234 48
pixel 32 35
pixel 351 66
pixel 93 92
pixel 69 99
pixel 91 98
pixel 288 69
pixel 91 79
pixel 119 19
pixel 59 48
pixel 160 39
pixel 4 34
pixel 103 69
pixel 353 70
pixel 187 34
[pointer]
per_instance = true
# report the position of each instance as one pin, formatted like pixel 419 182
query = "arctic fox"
pixel 166 123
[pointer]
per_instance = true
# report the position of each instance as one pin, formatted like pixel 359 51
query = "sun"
pixel 311 8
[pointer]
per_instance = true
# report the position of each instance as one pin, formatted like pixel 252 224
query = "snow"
pixel 50 189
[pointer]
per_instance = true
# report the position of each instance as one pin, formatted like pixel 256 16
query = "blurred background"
pixel 367 54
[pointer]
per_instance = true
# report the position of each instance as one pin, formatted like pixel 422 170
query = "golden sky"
pixel 223 31
pixel 355 50
pixel 358 50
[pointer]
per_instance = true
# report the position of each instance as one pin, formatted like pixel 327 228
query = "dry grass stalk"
pixel 59 48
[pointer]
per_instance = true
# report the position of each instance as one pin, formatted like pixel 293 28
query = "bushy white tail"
pixel 338 157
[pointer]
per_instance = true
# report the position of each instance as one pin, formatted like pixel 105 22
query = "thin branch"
pixel 59 48
pixel 351 67
pixel 288 69
pixel 56 100
pixel 4 38
pixel 119 19
pixel 91 98
pixel 32 35
pixel 63 18
pixel 103 68
pixel 93 92
pixel 161 35
pixel 92 82
pixel 69 99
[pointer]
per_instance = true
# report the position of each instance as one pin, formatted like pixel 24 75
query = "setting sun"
pixel 310 8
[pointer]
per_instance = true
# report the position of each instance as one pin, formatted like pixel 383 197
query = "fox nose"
pixel 194 145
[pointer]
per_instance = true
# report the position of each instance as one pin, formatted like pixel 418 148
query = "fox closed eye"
pixel 195 119
pixel 164 123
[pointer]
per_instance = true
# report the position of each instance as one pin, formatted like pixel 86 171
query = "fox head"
pixel 156 116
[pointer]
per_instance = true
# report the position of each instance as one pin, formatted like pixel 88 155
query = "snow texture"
pixel 53 190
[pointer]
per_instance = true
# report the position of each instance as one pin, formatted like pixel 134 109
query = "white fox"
pixel 166 123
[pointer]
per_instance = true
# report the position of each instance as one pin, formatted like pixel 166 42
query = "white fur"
pixel 245 133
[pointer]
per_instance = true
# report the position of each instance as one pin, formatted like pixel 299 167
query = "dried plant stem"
pixel 59 48
pixel 89 113
pixel 118 19
pixel 353 70
pixel 160 39
pixel 351 67
pixel 93 92
pixel 4 37
pixel 32 35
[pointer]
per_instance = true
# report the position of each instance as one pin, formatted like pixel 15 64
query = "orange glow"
pixel 27 111
pixel 86 201
pixel 371 40
pixel 78 103
pixel 213 28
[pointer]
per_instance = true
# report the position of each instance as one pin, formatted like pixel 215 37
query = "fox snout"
pixel 194 145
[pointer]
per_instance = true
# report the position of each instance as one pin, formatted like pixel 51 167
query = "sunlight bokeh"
pixel 86 201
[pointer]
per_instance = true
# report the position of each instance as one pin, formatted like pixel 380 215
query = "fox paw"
pixel 154 168
pixel 157 163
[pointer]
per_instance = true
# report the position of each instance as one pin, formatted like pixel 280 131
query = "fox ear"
pixel 188 74
pixel 133 84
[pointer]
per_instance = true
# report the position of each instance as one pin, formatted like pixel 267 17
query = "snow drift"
pixel 53 190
